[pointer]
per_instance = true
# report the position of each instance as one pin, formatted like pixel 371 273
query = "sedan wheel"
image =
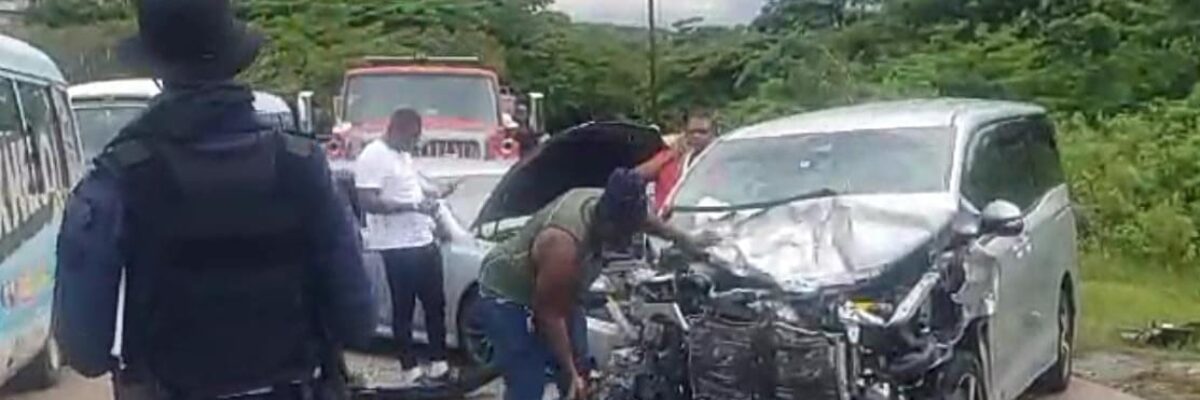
pixel 472 339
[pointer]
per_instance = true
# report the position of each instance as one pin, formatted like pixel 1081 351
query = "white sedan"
pixel 463 249
pixel 483 211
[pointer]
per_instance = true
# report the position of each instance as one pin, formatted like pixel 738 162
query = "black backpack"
pixel 219 272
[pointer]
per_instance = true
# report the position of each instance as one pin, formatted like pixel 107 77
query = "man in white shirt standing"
pixel 401 207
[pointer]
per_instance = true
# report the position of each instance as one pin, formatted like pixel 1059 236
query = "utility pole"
pixel 653 63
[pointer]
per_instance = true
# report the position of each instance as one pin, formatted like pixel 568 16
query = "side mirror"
pixel 1002 218
pixel 338 108
pixel 304 113
pixel 322 125
pixel 537 113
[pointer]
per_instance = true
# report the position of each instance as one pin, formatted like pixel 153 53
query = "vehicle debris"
pixel 1165 335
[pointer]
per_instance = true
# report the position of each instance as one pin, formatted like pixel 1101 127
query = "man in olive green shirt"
pixel 531 283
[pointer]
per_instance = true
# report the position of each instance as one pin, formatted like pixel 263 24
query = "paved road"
pixel 74 387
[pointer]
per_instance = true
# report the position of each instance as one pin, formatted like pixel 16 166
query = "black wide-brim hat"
pixel 190 40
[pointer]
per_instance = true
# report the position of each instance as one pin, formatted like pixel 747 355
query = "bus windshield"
pixel 97 126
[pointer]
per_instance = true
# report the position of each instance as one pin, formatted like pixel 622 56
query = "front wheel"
pixel 1058 377
pixel 471 337
pixel 962 378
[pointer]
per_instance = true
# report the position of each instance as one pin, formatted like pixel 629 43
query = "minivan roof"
pixel 923 113
pixel 145 88
pixel 21 58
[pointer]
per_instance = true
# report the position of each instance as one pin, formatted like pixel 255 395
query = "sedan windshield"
pixel 375 97
pixel 762 170
pixel 97 126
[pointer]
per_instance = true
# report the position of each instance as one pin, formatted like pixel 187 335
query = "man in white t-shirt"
pixel 401 206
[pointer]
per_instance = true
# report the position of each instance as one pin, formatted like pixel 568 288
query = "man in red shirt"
pixel 668 166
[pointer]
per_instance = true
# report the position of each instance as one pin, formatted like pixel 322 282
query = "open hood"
pixel 583 156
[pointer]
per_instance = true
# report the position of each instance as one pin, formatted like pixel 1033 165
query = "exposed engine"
pixel 705 331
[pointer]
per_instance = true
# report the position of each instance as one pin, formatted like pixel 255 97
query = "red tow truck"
pixel 465 110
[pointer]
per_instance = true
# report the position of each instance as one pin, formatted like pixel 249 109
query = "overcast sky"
pixel 633 12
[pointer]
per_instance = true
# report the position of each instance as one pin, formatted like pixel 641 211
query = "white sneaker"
pixel 411 377
pixel 437 370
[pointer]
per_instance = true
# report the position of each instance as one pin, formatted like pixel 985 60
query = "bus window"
pixel 39 115
pixel 10 127
pixel 68 139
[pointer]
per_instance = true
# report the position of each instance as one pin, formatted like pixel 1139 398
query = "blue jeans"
pixel 524 359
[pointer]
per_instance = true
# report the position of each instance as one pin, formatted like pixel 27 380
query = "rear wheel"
pixel 1058 377
pixel 43 371
pixel 471 338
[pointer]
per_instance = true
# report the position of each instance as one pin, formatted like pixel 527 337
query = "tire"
pixel 471 339
pixel 962 378
pixel 1058 378
pixel 43 371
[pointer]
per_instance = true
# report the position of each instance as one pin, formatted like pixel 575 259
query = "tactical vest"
pixel 508 270
pixel 219 271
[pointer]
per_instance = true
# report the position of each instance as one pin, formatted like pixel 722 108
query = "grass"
pixel 1120 294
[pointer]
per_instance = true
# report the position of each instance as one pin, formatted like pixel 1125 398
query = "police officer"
pixel 242 267
pixel 531 283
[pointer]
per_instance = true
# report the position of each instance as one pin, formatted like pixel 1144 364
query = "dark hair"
pixel 704 113
pixel 624 201
pixel 403 117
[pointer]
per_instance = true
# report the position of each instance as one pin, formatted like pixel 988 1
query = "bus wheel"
pixel 43 371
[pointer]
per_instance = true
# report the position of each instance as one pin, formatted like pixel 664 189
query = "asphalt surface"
pixel 74 387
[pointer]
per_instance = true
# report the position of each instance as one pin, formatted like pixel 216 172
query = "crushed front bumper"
pixel 751 360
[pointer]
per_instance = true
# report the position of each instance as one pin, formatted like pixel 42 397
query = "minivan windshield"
pixel 465 97
pixel 97 126
pixel 763 170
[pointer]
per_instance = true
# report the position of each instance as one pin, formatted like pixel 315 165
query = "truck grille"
pixel 763 360
pixel 452 149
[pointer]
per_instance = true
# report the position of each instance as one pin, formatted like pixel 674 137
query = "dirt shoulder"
pixel 1150 374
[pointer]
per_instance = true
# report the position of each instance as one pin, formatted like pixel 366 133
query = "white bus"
pixel 104 107
pixel 40 160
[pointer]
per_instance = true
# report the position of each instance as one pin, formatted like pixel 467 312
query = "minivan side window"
pixel 1043 150
pixel 998 169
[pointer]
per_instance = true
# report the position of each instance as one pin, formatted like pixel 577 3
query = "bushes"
pixel 1136 181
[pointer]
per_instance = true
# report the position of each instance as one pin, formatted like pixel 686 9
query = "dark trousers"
pixel 416 273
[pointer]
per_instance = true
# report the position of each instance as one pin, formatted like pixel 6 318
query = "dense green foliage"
pixel 1120 75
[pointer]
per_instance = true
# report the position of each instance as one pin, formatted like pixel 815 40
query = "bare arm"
pixel 692 244
pixel 373 202
pixel 655 226
pixel 557 276
pixel 650 169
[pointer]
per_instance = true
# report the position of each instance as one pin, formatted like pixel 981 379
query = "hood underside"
pixel 583 156
pixel 831 241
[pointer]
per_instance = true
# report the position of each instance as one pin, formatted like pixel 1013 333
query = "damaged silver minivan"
pixel 904 250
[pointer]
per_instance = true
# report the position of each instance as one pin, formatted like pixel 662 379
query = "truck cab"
pixel 462 103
